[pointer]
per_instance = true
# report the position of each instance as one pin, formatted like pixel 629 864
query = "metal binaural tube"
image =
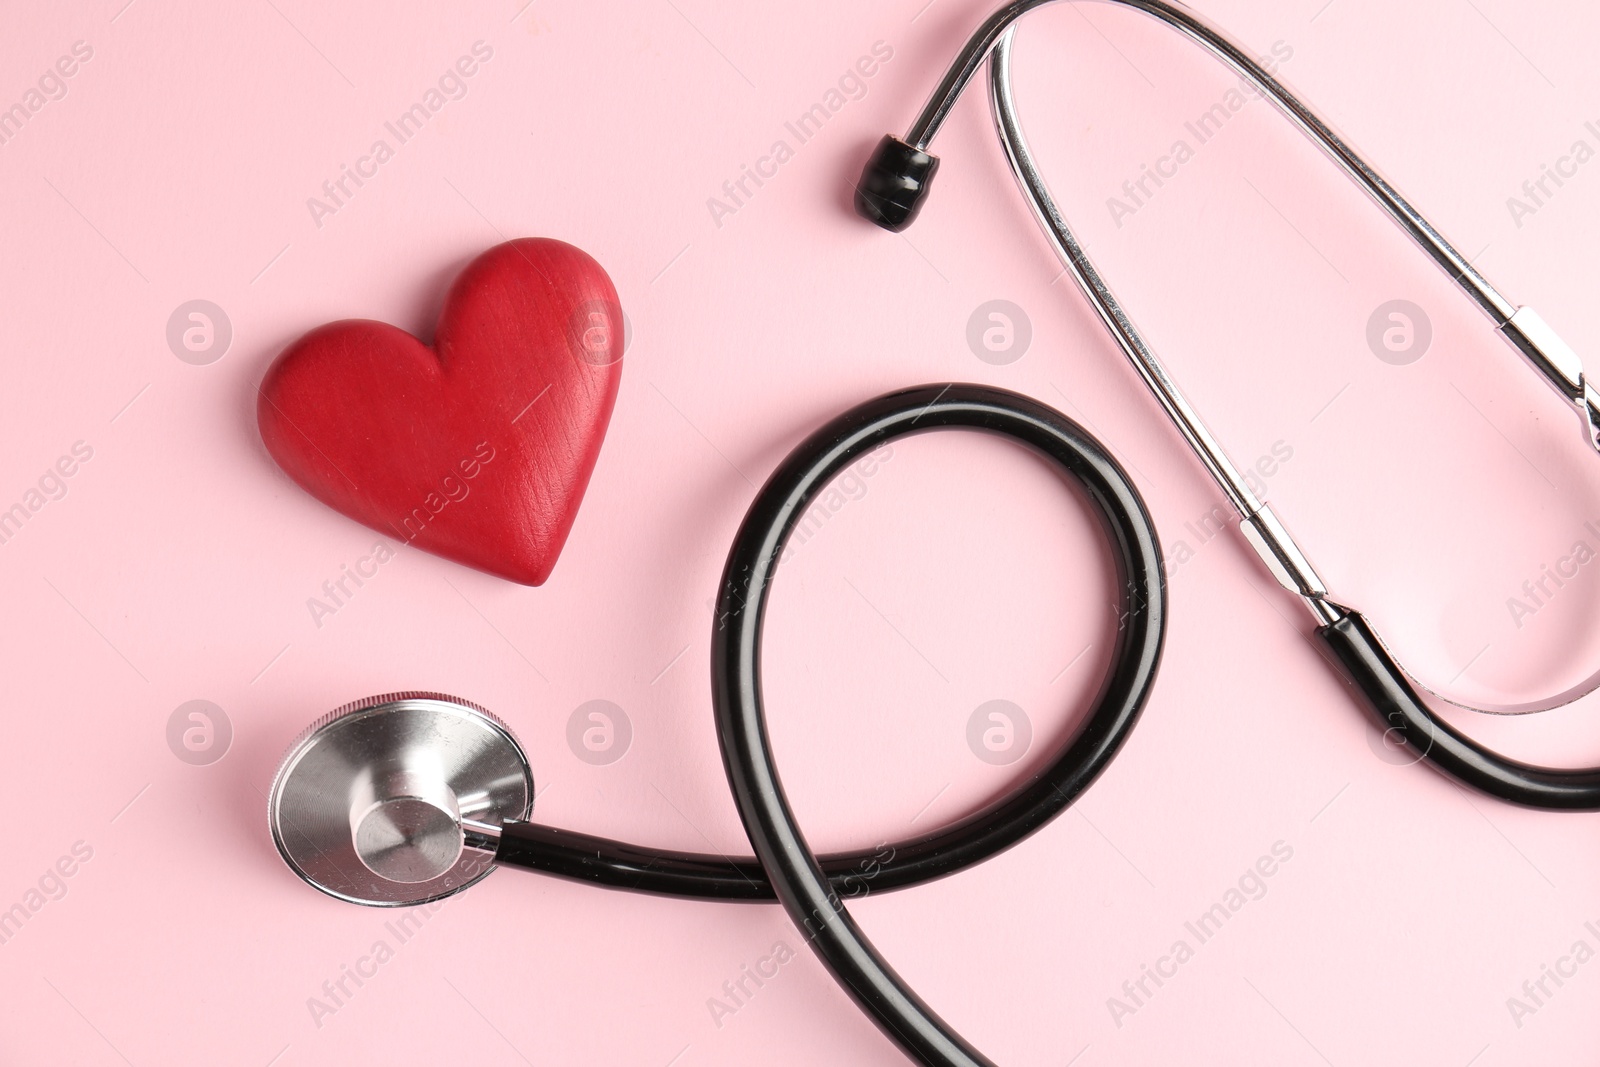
pixel 987 37
pixel 1522 327
pixel 1262 529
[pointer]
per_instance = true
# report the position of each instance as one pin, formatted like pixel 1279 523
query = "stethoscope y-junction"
pixel 409 797
pixel 891 193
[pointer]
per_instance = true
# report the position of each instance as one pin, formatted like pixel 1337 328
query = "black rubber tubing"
pixel 812 888
pixel 1396 706
pixel 797 877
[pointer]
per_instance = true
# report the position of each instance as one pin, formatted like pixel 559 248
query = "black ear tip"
pixel 893 184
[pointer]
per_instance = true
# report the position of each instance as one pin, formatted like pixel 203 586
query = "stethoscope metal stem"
pixel 896 182
pixel 1523 327
pixel 1262 528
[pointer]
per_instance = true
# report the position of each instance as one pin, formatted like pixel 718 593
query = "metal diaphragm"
pixel 376 802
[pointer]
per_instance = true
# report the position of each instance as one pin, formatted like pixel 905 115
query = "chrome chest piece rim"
pixel 398 799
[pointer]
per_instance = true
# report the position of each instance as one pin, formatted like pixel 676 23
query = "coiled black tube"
pixel 796 875
pixel 811 888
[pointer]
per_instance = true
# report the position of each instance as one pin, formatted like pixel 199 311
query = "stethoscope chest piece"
pixel 397 799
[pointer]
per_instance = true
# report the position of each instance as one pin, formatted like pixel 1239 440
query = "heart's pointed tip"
pixel 530 579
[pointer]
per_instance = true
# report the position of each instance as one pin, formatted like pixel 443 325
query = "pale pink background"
pixel 178 565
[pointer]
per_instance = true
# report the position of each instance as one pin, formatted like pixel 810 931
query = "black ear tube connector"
pixel 894 183
pixel 1397 707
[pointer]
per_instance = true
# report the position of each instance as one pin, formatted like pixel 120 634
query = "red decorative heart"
pixel 477 448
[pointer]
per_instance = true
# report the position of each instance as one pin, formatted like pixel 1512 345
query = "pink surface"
pixel 176 563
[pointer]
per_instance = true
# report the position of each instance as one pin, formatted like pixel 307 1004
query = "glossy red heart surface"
pixel 478 447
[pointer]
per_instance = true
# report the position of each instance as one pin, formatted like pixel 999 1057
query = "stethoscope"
pixel 409 797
